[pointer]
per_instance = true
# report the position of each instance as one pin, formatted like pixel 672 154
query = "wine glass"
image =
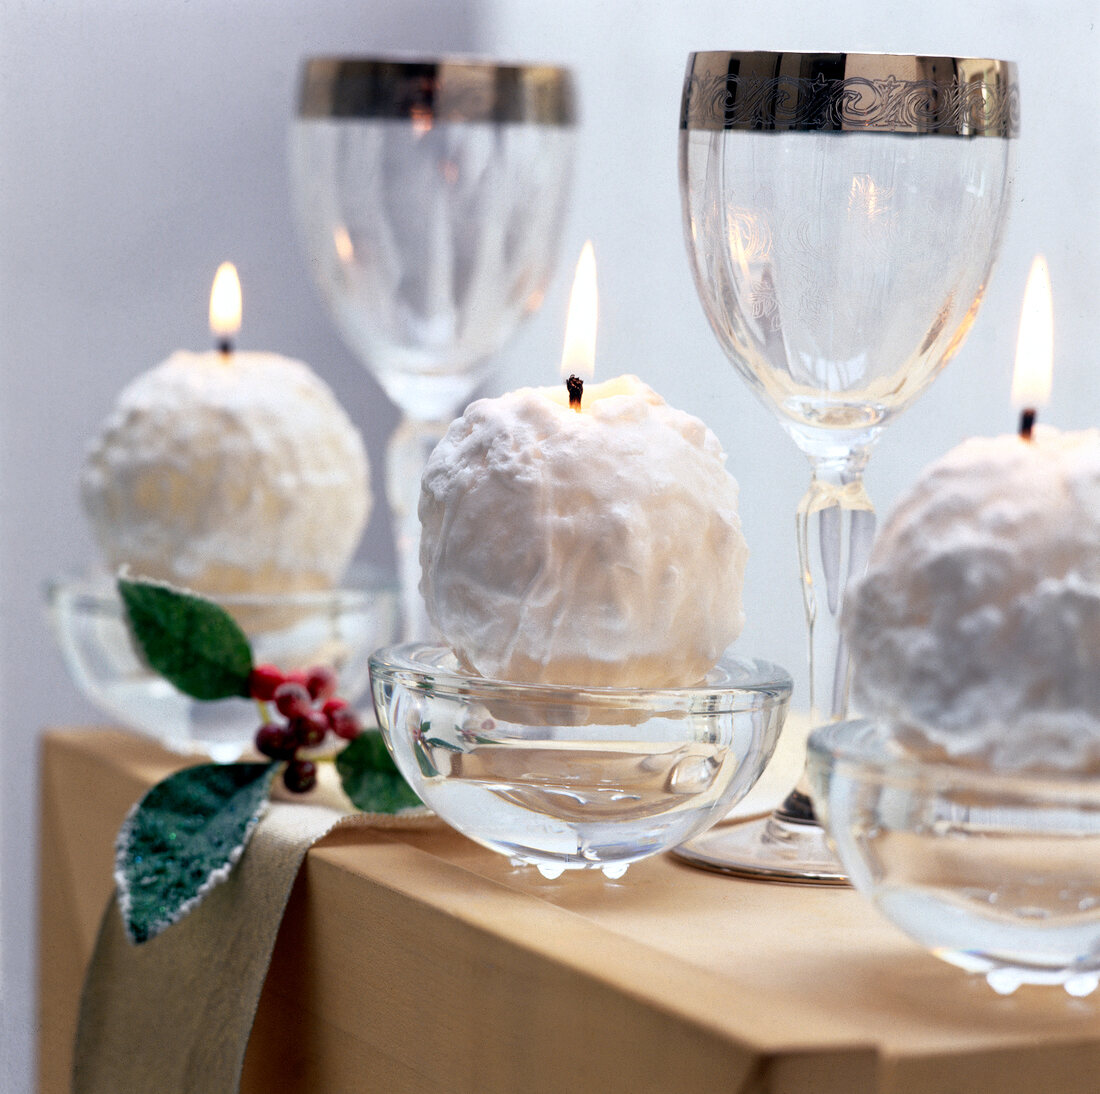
pixel 842 213
pixel 430 195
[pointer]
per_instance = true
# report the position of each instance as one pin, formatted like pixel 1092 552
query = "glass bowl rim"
pixel 770 682
pixel 96 589
pixel 867 752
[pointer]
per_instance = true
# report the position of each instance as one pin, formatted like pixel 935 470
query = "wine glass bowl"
pixel 842 213
pixel 839 259
pixel 430 195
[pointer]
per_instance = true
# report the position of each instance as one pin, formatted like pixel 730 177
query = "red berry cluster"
pixel 308 702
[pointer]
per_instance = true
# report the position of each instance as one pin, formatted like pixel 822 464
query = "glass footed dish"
pixel 566 778
pixel 338 628
pixel 992 872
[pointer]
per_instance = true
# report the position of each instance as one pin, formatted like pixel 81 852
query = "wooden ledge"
pixel 419 962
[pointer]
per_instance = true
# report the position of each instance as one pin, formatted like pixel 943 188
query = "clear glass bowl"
pixel 571 778
pixel 993 872
pixel 338 628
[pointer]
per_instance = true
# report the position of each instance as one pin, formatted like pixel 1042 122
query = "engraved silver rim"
pixel 429 89
pixel 851 92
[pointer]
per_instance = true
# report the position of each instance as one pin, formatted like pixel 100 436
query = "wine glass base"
pixel 767 848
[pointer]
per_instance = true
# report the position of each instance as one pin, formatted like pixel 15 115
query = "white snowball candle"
pixel 976 629
pixel 228 473
pixel 597 546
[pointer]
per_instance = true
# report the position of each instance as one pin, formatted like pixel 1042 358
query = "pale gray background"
pixel 141 144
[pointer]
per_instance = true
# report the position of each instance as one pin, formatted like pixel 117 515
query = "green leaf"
pixel 183 838
pixel 423 757
pixel 192 642
pixel 370 777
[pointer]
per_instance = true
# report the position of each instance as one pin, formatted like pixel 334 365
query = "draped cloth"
pixel 175 1013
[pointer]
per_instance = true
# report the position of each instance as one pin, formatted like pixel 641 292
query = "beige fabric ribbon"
pixel 175 1013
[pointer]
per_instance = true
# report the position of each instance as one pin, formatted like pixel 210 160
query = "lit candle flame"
pixel 344 247
pixel 422 117
pixel 579 355
pixel 225 303
pixel 1031 378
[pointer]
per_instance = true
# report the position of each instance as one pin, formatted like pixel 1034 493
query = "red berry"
pixel 310 728
pixel 277 740
pixel 321 682
pixel 263 680
pixel 297 676
pixel 345 723
pixel 333 705
pixel 292 700
pixel 300 776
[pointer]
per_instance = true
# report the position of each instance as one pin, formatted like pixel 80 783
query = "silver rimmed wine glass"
pixel 431 195
pixel 842 214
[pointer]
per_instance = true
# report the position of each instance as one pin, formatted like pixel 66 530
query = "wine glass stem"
pixel 408 451
pixel 835 524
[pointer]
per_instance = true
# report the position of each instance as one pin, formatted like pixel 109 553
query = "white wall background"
pixel 142 144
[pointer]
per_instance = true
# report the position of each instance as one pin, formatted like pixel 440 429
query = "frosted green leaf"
pixel 183 838
pixel 370 777
pixel 192 642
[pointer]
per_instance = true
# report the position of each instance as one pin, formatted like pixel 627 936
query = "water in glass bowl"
pixel 578 803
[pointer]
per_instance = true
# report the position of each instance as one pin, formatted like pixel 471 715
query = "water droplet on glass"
pixel 1031 912
pixel 1003 981
pixel 1082 984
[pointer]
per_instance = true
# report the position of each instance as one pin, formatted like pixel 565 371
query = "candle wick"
pixel 1027 423
pixel 225 346
pixel 575 386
